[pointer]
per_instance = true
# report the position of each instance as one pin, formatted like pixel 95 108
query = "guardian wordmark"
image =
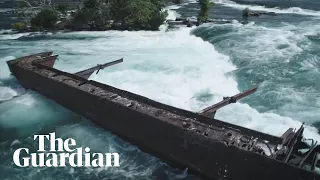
pixel 61 153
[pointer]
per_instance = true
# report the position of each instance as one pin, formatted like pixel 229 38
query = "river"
pixel 189 68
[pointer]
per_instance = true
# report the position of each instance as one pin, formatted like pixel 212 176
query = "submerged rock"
pixel 189 22
pixel 247 12
pixel 178 1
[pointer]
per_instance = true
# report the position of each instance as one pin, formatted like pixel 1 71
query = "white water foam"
pixel 101 141
pixel 12 36
pixel 281 42
pixel 6 31
pixel 30 112
pixel 173 67
pixel 261 48
pixel 291 10
pixel 5 10
pixel 186 66
pixel 172 15
pixel 7 93
pixel 4 70
pixel 170 67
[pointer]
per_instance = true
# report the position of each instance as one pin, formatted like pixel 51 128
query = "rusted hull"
pixel 171 143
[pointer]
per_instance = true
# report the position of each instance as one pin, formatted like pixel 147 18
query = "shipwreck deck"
pixel 192 139
pixel 211 128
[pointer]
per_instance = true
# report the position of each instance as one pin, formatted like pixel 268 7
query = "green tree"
pixel 157 19
pixel 117 10
pixel 159 4
pixel 138 14
pixel 19 26
pixel 62 8
pixel 204 10
pixel 91 4
pixel 99 14
pixel 45 19
pixel 94 15
pixel 178 1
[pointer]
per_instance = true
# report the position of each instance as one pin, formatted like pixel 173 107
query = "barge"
pixel 194 140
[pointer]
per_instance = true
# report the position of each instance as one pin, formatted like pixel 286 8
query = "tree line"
pixel 96 15
pixel 99 15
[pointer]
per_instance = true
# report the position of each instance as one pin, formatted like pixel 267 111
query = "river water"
pixel 189 68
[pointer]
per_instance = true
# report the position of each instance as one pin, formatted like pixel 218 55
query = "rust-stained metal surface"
pixel 88 72
pixel 205 145
pixel 211 110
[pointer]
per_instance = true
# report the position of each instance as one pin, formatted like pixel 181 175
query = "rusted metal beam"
pixel 292 143
pixel 87 73
pixel 314 161
pixel 287 136
pixel 211 110
pixel 313 147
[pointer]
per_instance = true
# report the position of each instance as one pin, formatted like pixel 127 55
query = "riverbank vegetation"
pixel 204 10
pixel 100 15
pixel 95 15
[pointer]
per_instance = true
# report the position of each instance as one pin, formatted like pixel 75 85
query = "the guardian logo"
pixel 61 154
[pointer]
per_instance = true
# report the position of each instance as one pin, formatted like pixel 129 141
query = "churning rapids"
pixel 187 68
